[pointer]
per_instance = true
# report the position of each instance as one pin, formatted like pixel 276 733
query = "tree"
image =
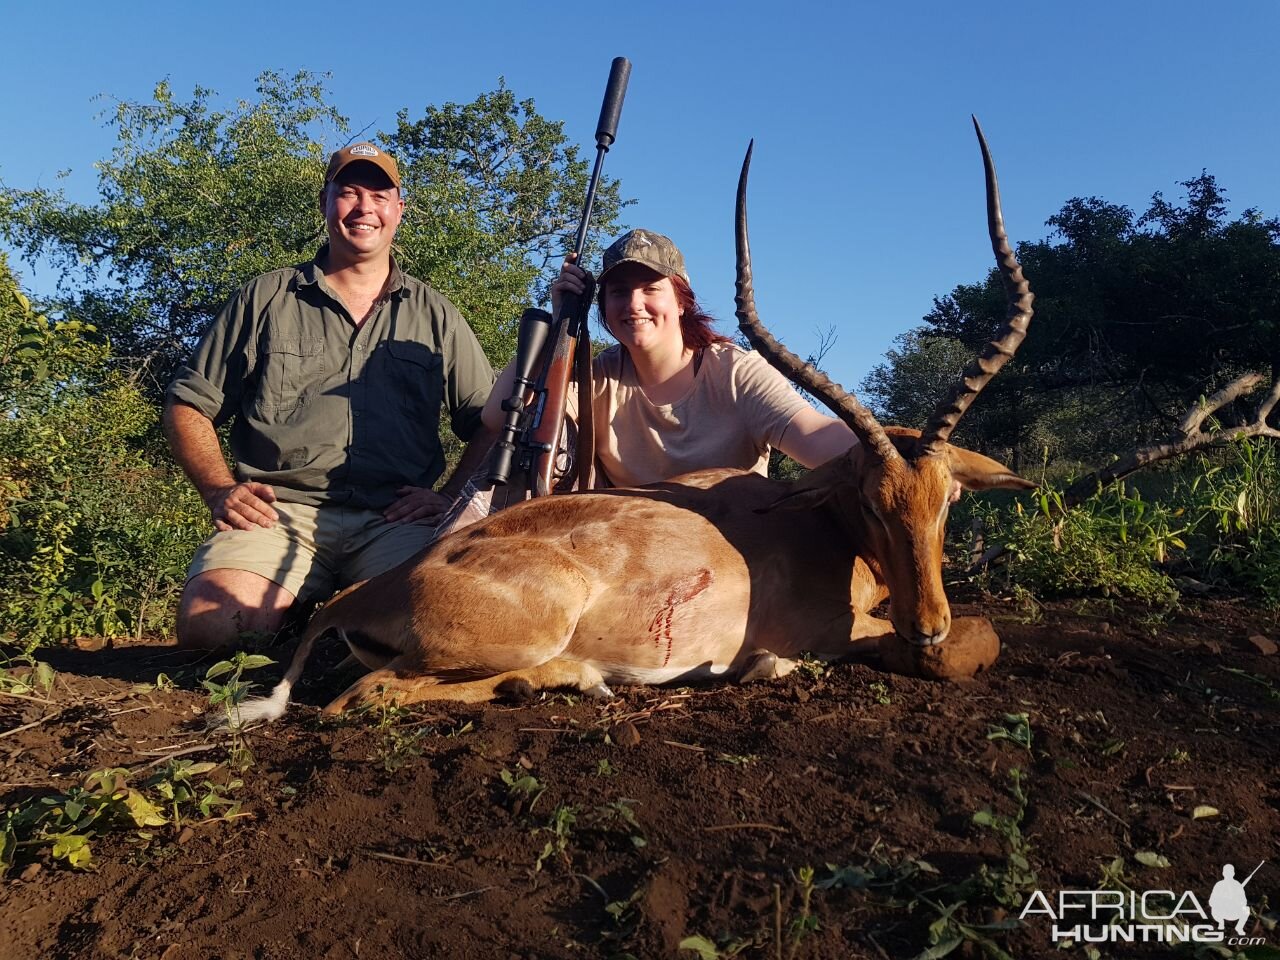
pixel 1134 318
pixel 192 203
pixel 495 192
pixel 195 201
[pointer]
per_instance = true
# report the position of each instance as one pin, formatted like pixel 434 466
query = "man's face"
pixel 362 209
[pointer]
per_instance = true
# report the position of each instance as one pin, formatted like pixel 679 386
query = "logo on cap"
pixel 363 150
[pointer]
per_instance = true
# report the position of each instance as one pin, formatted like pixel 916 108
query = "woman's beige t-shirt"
pixel 737 408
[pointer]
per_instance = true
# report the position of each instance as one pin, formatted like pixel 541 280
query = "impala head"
pixel 893 488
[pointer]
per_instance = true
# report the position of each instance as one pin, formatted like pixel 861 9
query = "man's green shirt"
pixel 328 412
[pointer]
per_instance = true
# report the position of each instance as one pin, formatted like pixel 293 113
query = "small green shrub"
pixel 96 528
pixel 1236 501
pixel 1110 545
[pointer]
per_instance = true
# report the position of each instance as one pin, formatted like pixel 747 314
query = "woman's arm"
pixel 812 439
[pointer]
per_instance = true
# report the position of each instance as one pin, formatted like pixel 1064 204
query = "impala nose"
pixel 922 639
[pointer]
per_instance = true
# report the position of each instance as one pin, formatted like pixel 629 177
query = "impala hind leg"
pixel 398 683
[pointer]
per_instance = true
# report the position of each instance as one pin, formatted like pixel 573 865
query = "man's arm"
pixel 194 444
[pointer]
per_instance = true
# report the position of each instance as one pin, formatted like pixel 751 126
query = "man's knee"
pixel 220 607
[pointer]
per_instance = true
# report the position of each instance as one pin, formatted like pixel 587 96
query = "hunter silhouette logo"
pixel 1148 916
pixel 1228 900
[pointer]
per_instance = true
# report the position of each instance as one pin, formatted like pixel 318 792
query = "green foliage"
pixel 804 923
pixel 1009 882
pixel 494 192
pixel 197 198
pixel 1109 545
pixel 397 745
pixel 1235 500
pixel 1135 316
pixel 35 678
pixel 709 950
pixel 67 823
pixel 1014 727
pixel 229 695
pixel 97 531
pixel 1215 519
pixel 523 790
pixel 193 202
pixel 177 786
pixel 560 826
pixel 916 373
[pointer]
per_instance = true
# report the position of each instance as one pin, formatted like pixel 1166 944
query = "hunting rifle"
pixel 553 346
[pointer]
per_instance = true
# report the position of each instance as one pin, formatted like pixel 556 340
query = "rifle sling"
pixel 586 454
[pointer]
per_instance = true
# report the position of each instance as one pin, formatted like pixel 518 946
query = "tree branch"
pixel 1188 437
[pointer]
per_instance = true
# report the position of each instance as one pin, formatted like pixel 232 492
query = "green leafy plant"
pixel 804 923
pixel 560 826
pixel 1110 545
pixel 1236 499
pixel 618 815
pixel 1009 883
pixel 396 744
pixel 810 667
pixel 24 675
pixel 176 784
pixel 880 693
pixel 1014 727
pixel 229 695
pixel 68 822
pixel 523 790
pixel 710 950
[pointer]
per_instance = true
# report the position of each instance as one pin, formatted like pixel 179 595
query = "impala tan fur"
pixel 718 573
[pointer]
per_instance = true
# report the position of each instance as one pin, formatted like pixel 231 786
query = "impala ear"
pixel 800 498
pixel 815 488
pixel 976 472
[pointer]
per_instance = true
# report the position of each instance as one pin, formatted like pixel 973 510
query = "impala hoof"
pixel 971 647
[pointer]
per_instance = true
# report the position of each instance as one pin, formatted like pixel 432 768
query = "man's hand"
pixel 416 503
pixel 243 506
pixel 956 490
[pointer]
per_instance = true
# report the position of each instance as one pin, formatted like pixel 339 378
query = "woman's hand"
pixel 572 280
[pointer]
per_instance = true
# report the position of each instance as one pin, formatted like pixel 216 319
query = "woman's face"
pixel 641 309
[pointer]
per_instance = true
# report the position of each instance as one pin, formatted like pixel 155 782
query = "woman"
pixel 673 395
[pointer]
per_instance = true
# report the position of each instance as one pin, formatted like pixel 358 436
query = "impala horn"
pixel 804 375
pixel 1000 350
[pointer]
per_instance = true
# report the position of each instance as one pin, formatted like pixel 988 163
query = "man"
pixel 333 373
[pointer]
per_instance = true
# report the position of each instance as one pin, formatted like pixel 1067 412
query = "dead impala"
pixel 719 573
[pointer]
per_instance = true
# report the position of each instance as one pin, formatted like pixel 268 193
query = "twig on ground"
pixel 378 855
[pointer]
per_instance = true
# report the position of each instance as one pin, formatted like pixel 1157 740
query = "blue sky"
pixel 866 197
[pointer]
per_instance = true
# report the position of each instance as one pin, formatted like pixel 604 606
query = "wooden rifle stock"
pixel 545 431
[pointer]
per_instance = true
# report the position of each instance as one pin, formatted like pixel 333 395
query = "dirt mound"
pixel 842 812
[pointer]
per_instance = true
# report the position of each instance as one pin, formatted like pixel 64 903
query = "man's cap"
pixel 647 248
pixel 362 153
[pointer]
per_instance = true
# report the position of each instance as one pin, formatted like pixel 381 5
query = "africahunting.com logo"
pixel 1148 916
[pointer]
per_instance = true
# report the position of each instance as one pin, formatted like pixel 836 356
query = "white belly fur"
pixel 627 673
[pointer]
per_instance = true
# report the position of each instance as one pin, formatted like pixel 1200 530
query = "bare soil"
pixel 732 791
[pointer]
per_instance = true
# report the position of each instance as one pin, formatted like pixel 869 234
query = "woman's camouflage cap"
pixel 648 249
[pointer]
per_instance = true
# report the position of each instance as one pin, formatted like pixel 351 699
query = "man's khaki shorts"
pixel 313 551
